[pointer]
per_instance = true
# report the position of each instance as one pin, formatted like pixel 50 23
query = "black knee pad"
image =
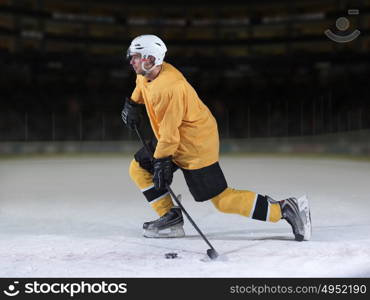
pixel 144 158
pixel 205 183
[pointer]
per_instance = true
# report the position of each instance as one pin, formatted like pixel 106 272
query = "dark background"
pixel 265 68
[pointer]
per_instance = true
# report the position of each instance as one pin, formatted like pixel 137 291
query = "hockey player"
pixel 187 138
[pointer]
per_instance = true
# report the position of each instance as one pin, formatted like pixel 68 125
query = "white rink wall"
pixel 344 143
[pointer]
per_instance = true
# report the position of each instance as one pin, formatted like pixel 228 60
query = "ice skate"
pixel 297 213
pixel 168 226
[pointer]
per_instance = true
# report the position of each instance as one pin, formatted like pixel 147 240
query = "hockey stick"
pixel 212 253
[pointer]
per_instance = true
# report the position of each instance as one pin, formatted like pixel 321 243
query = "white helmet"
pixel 148 44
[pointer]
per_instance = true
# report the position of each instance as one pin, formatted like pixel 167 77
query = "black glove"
pixel 162 172
pixel 131 113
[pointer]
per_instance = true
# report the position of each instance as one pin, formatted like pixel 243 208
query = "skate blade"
pixel 172 232
pixel 304 210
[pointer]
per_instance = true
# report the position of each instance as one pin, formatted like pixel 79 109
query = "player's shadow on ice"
pixel 244 235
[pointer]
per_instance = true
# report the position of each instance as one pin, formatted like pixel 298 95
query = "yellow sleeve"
pixel 169 112
pixel 136 94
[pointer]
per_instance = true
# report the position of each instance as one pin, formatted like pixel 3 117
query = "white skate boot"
pixel 297 213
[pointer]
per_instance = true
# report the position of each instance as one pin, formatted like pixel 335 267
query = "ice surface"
pixel 82 217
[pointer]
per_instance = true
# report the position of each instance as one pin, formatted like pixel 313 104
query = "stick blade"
pixel 212 254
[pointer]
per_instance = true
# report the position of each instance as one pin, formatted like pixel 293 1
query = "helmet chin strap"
pixel 146 71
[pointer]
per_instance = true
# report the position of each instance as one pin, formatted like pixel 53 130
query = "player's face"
pixel 135 62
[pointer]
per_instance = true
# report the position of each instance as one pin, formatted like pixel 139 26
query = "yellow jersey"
pixel 183 125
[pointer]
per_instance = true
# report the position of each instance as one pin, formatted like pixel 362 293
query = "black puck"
pixel 170 255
